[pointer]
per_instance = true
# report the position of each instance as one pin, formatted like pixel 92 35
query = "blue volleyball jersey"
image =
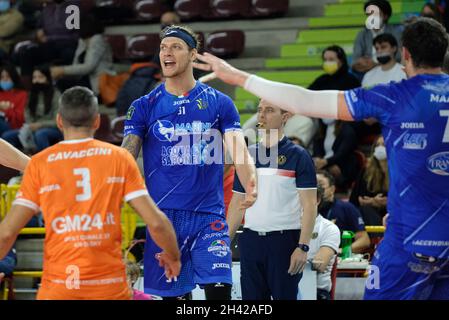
pixel 182 145
pixel 414 114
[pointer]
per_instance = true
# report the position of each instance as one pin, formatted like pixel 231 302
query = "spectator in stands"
pixel 337 76
pixel 169 18
pixel 12 99
pixel 370 190
pixel 323 251
pixel 40 115
pixel 363 56
pixel 93 57
pixel 388 69
pixel 333 151
pixel 54 42
pixel 344 214
pixel 11 23
pixel 132 275
pixel 430 10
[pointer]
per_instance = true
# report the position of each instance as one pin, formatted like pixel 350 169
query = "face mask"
pixel 383 58
pixel 4 6
pixel 328 121
pixel 380 153
pixel 6 85
pixel 330 67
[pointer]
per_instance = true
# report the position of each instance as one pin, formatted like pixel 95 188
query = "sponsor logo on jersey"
pixel 221 266
pixel 212 235
pixel 130 113
pixel 201 104
pixel 180 102
pixel 217 225
pixel 219 248
pixel 439 163
pixel 439 98
pixel 164 130
pixel 415 141
pixel 412 125
pixel 282 160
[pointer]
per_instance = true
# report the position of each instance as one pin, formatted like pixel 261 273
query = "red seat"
pixel 143 46
pixel 268 8
pixel 191 9
pixel 148 10
pixel 227 8
pixel 118 46
pixel 104 132
pixel 226 43
pixel 118 125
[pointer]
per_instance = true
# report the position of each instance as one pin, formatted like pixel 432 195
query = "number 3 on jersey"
pixel 84 183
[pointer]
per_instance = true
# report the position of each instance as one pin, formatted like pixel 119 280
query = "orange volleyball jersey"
pixel 79 186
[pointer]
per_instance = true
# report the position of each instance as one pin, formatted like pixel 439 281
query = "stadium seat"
pixel 227 8
pixel 148 10
pixel 268 8
pixel 118 46
pixel 114 11
pixel 191 9
pixel 226 44
pixel 143 46
pixel 104 132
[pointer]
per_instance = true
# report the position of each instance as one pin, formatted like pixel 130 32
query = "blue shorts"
pixel 397 274
pixel 205 254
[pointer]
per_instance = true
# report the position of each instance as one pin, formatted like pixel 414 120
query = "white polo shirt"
pixel 278 205
pixel 325 234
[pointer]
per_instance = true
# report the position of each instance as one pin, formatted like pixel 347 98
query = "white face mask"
pixel 328 121
pixel 380 153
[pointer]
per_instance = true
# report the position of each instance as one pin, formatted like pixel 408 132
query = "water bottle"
pixel 346 242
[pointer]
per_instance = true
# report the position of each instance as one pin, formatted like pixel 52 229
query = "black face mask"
pixel 324 207
pixel 383 59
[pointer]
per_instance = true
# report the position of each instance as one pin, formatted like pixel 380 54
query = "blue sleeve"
pixel 355 218
pixel 379 102
pixel 136 122
pixel 229 116
pixel 305 171
pixel 237 187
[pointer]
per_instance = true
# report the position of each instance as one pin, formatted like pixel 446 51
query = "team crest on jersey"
pixel 130 113
pixel 164 130
pixel 201 104
pixel 415 141
pixel 219 248
pixel 282 160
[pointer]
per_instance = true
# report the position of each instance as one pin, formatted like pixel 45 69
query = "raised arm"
pixel 320 104
pixel 11 157
pixel 132 143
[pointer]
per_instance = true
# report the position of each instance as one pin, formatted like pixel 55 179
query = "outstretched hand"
pixel 223 70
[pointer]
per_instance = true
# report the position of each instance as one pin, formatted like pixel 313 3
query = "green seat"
pixel 347 9
pixel 305 61
pixel 302 78
pixel 312 50
pixel 348 21
pixel 245 116
pixel 344 35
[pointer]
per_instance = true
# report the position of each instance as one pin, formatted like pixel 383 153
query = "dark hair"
pixel 446 63
pixel 386 37
pixel 435 10
pixel 13 74
pixel 319 193
pixel 341 55
pixel 330 178
pixel 184 29
pixel 47 92
pixel 383 6
pixel 427 41
pixel 89 26
pixel 78 107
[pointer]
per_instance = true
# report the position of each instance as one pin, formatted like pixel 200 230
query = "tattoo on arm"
pixel 132 143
